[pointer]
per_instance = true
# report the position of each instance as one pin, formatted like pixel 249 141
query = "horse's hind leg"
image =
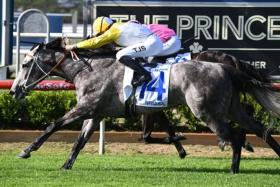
pixel 246 145
pixel 247 122
pixel 74 115
pixel 258 128
pixel 237 139
pixel 86 132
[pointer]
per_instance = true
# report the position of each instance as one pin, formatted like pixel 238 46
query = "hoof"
pixel 222 145
pixel 182 154
pixel 66 166
pixel 24 155
pixel 172 139
pixel 178 138
pixel 234 171
pixel 167 140
pixel 249 147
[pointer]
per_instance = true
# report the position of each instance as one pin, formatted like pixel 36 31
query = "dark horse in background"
pixel 210 90
pixel 160 118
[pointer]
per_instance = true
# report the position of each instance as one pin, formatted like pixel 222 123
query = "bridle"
pixel 35 57
pixel 46 74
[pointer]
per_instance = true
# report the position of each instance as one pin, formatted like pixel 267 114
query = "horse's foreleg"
pixel 86 132
pixel 147 127
pixel 75 115
pixel 162 120
pixel 236 156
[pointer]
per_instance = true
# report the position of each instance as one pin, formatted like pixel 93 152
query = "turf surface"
pixel 42 169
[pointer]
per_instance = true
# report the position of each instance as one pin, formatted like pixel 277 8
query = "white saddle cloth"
pixel 153 93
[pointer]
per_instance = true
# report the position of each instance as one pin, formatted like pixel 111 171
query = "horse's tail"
pixel 265 93
pixel 252 71
pixel 224 58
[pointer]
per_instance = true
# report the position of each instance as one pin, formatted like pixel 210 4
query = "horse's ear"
pixel 37 46
pixel 41 45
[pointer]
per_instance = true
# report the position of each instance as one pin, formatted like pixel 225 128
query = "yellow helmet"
pixel 101 24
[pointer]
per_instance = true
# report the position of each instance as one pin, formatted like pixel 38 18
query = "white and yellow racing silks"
pixel 123 34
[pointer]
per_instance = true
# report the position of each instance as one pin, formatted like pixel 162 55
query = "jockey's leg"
pixel 171 46
pixel 148 48
pixel 133 64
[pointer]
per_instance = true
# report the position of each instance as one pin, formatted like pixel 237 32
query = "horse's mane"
pixel 55 44
pixel 87 53
pixel 106 51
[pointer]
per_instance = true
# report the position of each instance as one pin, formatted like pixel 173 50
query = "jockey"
pixel 169 38
pixel 137 39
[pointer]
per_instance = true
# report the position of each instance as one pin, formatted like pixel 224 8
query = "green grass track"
pixel 134 170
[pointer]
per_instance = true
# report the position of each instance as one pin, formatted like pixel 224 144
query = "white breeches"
pixel 170 46
pixel 152 46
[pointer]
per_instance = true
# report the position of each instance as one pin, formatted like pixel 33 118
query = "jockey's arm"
pixel 107 37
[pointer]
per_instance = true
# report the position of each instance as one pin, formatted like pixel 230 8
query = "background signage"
pixel 248 31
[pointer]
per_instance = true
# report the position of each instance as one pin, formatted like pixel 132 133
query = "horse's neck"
pixel 70 68
pixel 100 65
pixel 105 81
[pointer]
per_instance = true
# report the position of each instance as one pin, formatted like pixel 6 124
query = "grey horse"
pixel 211 56
pixel 211 91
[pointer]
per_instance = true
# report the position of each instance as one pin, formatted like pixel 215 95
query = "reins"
pixel 74 57
pixel 46 74
pixel 35 57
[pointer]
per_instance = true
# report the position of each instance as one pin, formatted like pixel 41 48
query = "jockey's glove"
pixel 70 47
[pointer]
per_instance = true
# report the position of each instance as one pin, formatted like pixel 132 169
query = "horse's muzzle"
pixel 18 92
pixel 11 92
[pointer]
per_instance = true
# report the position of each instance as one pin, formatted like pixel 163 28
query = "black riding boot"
pixel 133 64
